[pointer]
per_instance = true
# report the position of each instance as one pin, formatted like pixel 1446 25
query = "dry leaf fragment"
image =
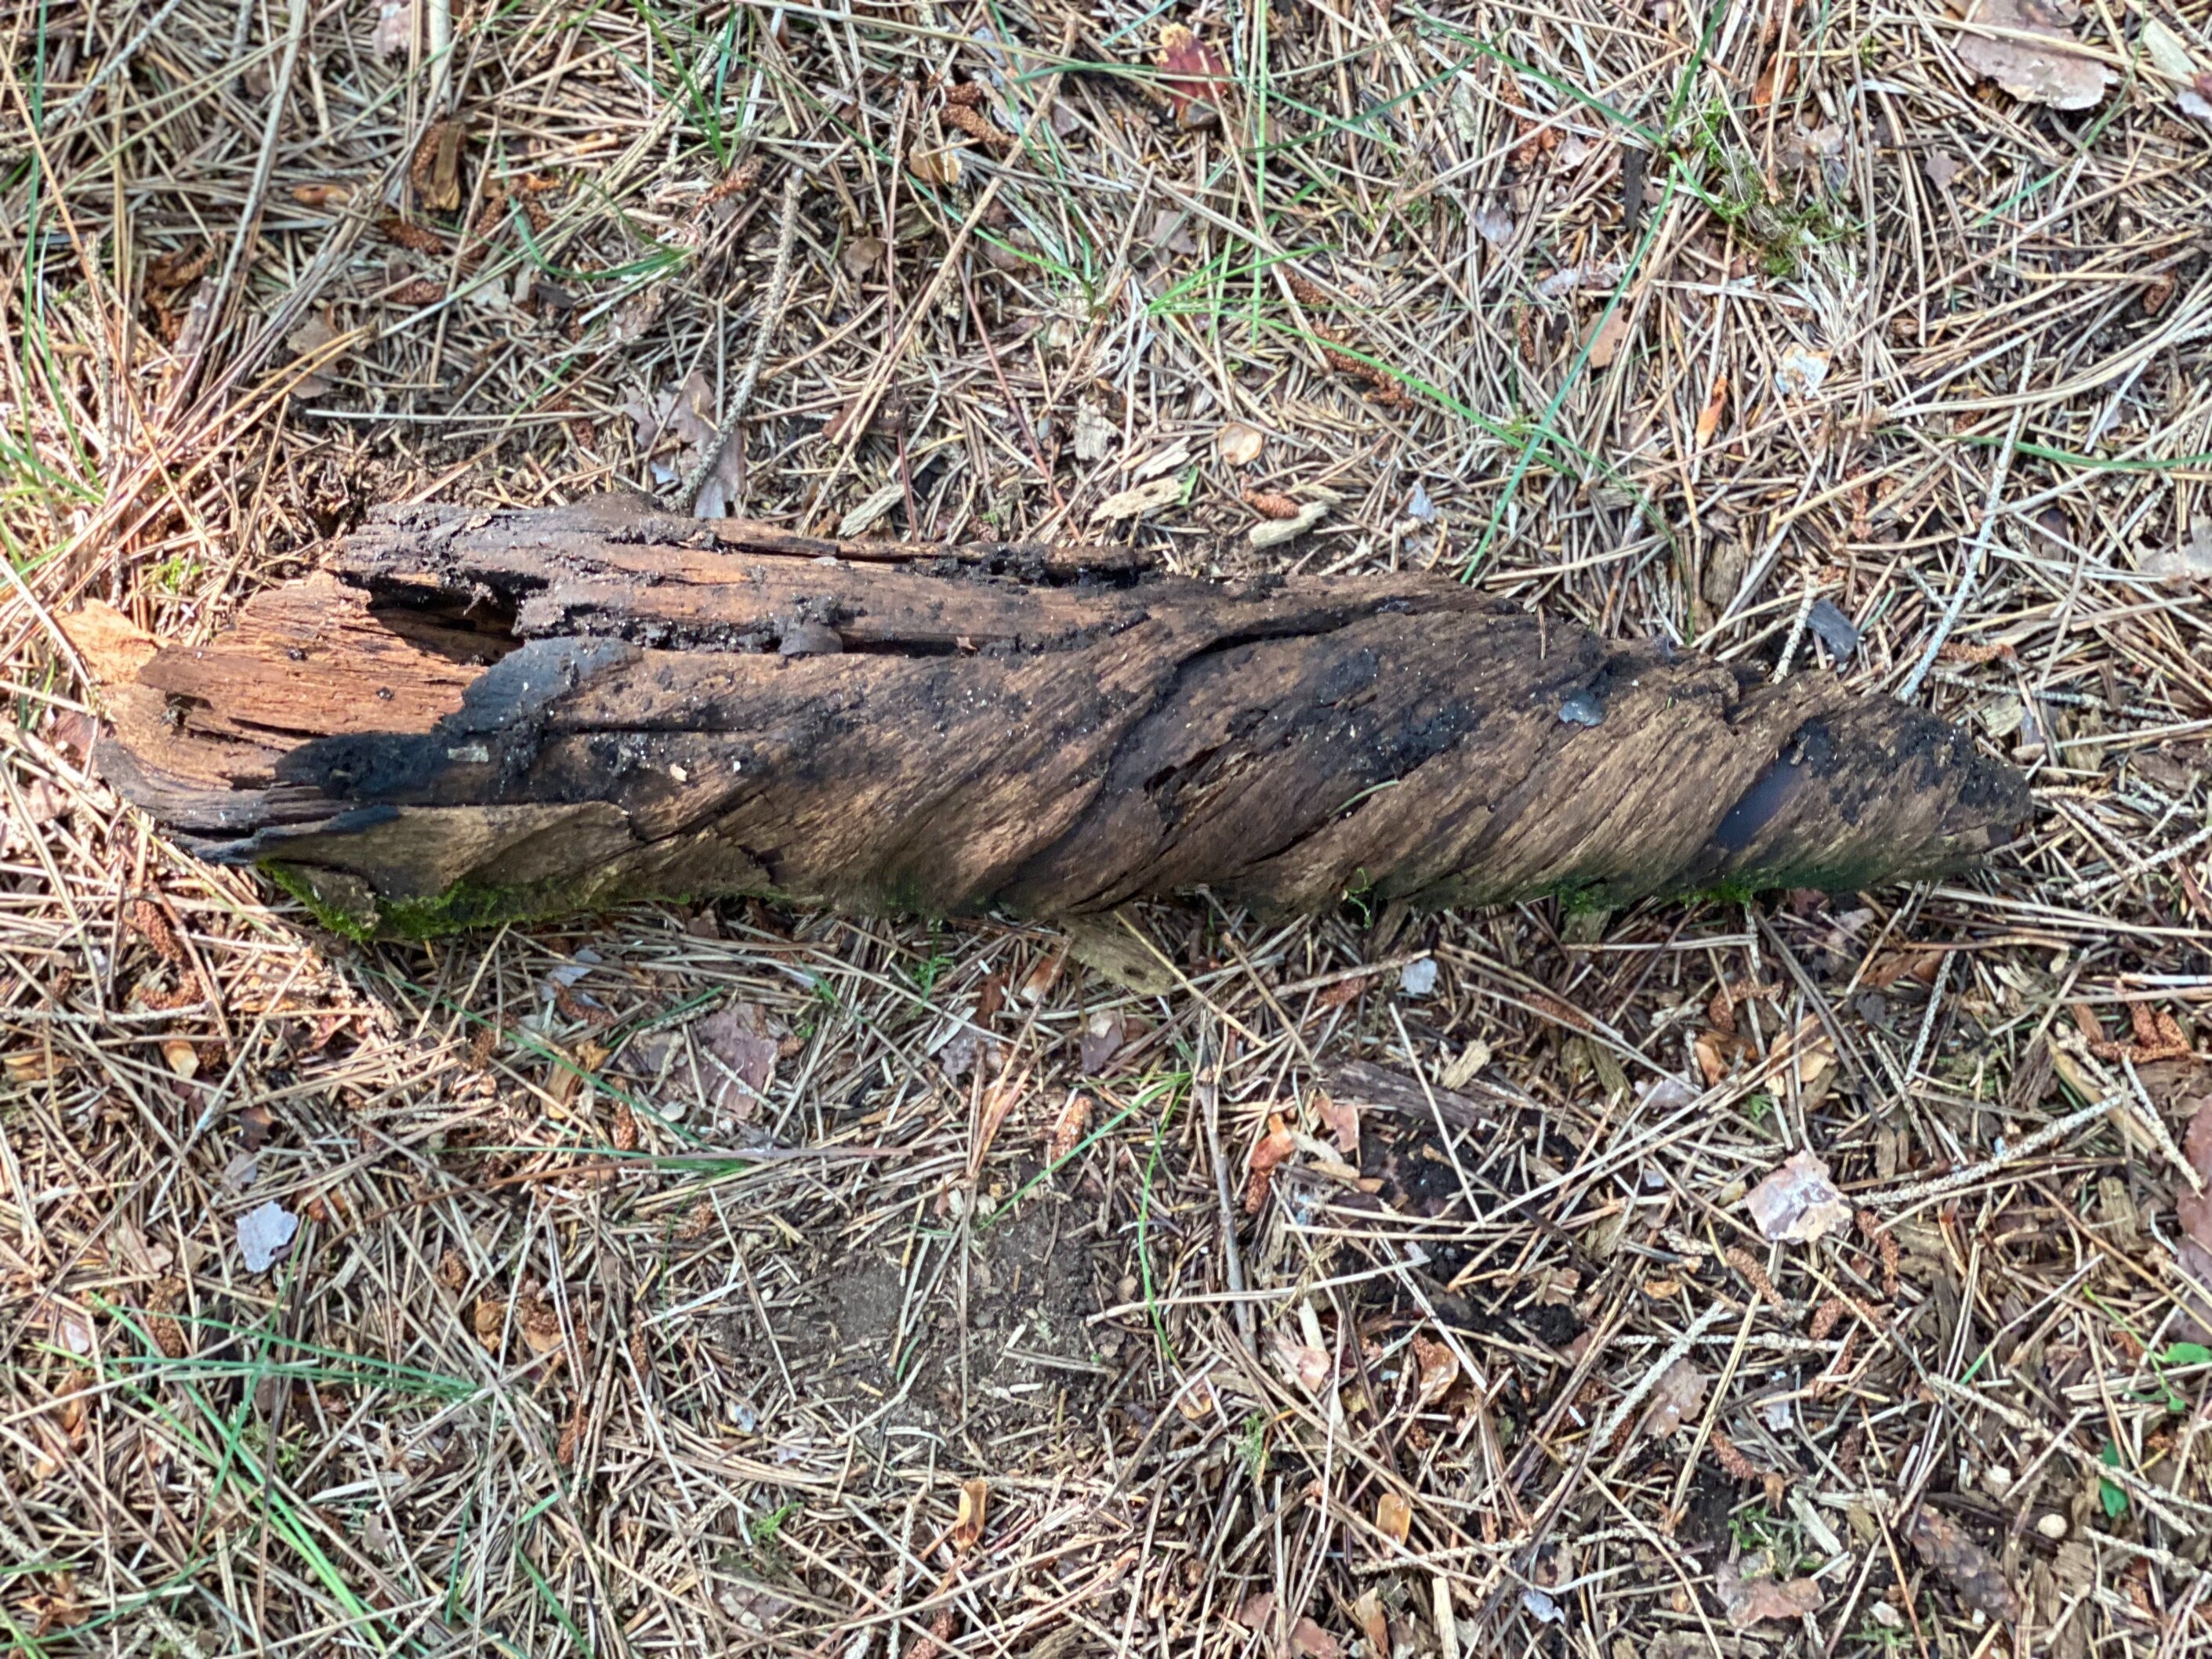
pixel 2025 46
pixel 1198 1403
pixel 1679 1392
pixel 1439 1369
pixel 1708 417
pixel 395 28
pixel 2194 1210
pixel 1373 1624
pixel 436 172
pixel 863 256
pixel 1748 1601
pixel 1309 1641
pixel 934 167
pixel 1103 1034
pixel 1342 1119
pixel 1258 1610
pixel 1147 497
pixel 1237 443
pixel 1271 1148
pixel 1798 1201
pixel 1194 77
pixel 264 1234
pixel 738 1038
pixel 968 1526
pixel 1607 339
pixel 2188 561
pixel 1274 532
pixel 1104 945
pixel 1095 435
pixel 1800 372
pixel 1394 1516
pixel 1947 1546
pixel 1310 1366
pixel 1069 1128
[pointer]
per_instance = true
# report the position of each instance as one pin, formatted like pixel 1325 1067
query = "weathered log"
pixel 469 715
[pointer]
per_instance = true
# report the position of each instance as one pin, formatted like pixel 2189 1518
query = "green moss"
pixel 464 905
pixel 1781 230
pixel 358 926
pixel 346 906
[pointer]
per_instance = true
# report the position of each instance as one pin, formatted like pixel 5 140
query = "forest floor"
pixel 769 1282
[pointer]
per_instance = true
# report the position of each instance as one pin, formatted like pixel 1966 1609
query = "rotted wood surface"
pixel 469 714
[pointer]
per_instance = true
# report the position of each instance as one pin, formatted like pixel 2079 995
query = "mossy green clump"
pixel 1781 230
pixel 333 917
pixel 346 906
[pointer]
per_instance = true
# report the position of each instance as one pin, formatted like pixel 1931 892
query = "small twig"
pixel 779 284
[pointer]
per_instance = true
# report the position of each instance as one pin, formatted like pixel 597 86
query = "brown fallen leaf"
pixel 1439 1368
pixel 1258 1610
pixel 2195 1209
pixel 738 1039
pixel 1069 1128
pixel 1310 1366
pixel 1374 1625
pixel 1748 1601
pixel 934 167
pixel 1679 1392
pixel 1947 1546
pixel 1708 417
pixel 1195 75
pixel 1394 1518
pixel 1198 1403
pixel 436 172
pixel 1774 80
pixel 1309 1641
pixel 863 256
pixel 2027 48
pixel 1342 1119
pixel 1103 1034
pixel 1607 339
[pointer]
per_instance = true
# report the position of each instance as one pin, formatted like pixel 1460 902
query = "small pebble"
pixel 2052 1526
pixel 1997 1480
pixel 1582 709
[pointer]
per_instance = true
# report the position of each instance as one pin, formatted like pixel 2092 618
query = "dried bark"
pixel 474 715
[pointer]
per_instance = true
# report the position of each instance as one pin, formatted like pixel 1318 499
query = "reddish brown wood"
pixel 480 713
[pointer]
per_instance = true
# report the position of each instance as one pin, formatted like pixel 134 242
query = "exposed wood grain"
pixel 556 709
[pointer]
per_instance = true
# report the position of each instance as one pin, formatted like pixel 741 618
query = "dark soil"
pixel 1008 1352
